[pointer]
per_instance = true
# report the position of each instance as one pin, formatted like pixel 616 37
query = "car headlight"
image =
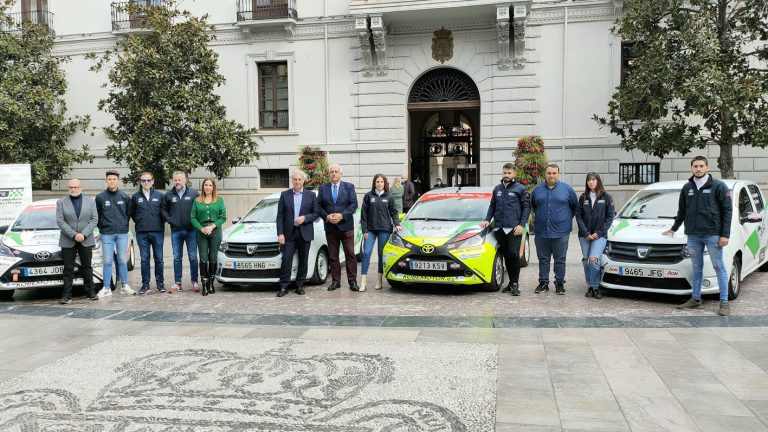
pixel 396 240
pixel 6 251
pixel 224 246
pixel 475 240
pixel 684 251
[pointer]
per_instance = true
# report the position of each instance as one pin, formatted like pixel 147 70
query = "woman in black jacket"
pixel 378 218
pixel 594 217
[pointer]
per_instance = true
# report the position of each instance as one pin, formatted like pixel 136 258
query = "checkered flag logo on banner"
pixel 16 193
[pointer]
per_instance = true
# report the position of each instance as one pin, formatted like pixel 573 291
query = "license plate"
pixel 429 265
pixel 43 271
pixel 246 265
pixel 641 272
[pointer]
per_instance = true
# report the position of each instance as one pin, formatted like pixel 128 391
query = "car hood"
pixel 251 232
pixel 31 238
pixel 644 231
pixel 436 232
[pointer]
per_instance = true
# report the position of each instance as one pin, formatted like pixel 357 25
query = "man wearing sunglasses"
pixel 146 212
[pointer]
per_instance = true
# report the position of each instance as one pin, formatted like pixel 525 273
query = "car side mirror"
pixel 3 229
pixel 236 220
pixel 751 217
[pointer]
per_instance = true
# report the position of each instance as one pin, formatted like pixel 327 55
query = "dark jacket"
pixel 147 214
pixel 379 213
pixel 310 209
pixel 177 211
pixel 553 209
pixel 409 193
pixel 510 205
pixel 114 210
pixel 597 219
pixel 346 204
pixel 705 211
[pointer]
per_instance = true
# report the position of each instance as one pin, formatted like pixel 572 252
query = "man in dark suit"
pixel 338 203
pixel 77 217
pixel 296 212
pixel 409 193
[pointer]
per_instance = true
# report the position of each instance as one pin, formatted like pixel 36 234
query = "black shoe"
pixel 161 288
pixel 65 301
pixel 598 295
pixel 543 286
pixel 144 289
pixel 515 288
pixel 282 292
pixel 353 286
pixel 590 292
pixel 507 288
pixel 300 290
pixel 334 286
pixel 92 296
pixel 559 288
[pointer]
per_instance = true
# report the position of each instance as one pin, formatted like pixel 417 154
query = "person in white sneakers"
pixel 114 209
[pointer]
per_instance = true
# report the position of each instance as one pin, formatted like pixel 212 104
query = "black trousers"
pixel 297 244
pixel 509 245
pixel 86 271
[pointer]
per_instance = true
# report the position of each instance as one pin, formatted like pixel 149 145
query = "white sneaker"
pixel 105 292
pixel 127 290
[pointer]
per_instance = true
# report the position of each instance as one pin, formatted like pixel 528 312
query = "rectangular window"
pixel 273 95
pixel 274 178
pixel 628 56
pixel 757 198
pixel 638 173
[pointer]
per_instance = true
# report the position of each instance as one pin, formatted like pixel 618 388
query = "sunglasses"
pixel 146 180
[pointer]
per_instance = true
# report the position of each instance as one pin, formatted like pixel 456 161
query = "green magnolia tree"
pixel 314 162
pixel 700 76
pixel 34 128
pixel 162 86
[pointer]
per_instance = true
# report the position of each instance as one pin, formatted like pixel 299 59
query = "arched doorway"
pixel 444 132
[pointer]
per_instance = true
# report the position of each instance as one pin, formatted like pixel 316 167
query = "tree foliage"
pixel 162 94
pixel 34 127
pixel 314 162
pixel 530 160
pixel 700 76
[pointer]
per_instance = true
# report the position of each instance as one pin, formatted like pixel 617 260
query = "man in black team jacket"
pixel 706 207
pixel 510 207
pixel 177 211
pixel 147 214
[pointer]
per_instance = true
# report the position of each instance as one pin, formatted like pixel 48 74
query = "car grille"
pixel 652 283
pixel 250 274
pixel 657 253
pixel 263 250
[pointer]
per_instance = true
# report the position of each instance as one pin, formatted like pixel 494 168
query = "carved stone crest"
pixel 442 45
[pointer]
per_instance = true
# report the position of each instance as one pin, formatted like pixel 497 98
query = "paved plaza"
pixel 426 358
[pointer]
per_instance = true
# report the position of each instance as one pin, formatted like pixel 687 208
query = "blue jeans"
pixel 153 240
pixel 557 249
pixel 108 244
pixel 178 238
pixel 382 237
pixel 696 245
pixel 592 249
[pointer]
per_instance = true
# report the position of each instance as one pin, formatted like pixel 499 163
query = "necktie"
pixel 335 193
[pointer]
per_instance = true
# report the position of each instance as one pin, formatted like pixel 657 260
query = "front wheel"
pixel 321 268
pixel 6 295
pixel 734 283
pixel 497 278
pixel 131 258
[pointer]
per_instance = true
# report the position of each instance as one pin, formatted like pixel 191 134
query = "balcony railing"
pixel 274 119
pixel 123 18
pixel 21 19
pixel 254 10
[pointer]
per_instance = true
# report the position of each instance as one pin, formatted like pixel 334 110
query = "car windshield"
pixel 652 204
pixel 450 209
pixel 264 211
pixel 36 219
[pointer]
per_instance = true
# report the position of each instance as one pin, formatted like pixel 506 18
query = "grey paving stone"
pixel 579 411
pixel 382 334
pixel 516 427
pixel 724 404
pixel 725 423
pixel 619 357
pixel 746 386
pixel 639 381
pixel 653 413
pixel 760 408
pixel 538 411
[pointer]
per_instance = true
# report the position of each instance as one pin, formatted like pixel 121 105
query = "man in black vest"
pixel 147 214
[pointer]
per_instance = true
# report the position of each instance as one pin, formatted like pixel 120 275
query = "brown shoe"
pixel 725 309
pixel 690 304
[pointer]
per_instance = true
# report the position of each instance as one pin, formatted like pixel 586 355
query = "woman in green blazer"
pixel 208 215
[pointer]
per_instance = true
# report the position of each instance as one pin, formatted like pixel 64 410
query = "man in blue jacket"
pixel 706 207
pixel 147 214
pixel 338 203
pixel 114 209
pixel 296 212
pixel 509 208
pixel 554 205
pixel 177 211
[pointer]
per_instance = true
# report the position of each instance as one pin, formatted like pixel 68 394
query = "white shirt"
pixel 701 182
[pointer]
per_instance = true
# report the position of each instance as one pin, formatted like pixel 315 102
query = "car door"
pixel 758 201
pixel 745 232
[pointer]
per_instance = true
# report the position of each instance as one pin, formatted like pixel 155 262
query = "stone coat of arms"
pixel 442 45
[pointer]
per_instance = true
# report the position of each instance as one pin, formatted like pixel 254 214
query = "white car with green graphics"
pixel 249 252
pixel 638 257
pixel 30 256
pixel 442 242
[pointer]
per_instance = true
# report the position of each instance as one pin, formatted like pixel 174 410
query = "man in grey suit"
pixel 77 217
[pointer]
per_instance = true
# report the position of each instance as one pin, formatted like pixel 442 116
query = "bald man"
pixel 77 217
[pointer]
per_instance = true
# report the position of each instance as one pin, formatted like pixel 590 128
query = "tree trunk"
pixel 725 160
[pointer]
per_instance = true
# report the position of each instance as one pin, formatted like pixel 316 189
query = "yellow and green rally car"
pixel 442 242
